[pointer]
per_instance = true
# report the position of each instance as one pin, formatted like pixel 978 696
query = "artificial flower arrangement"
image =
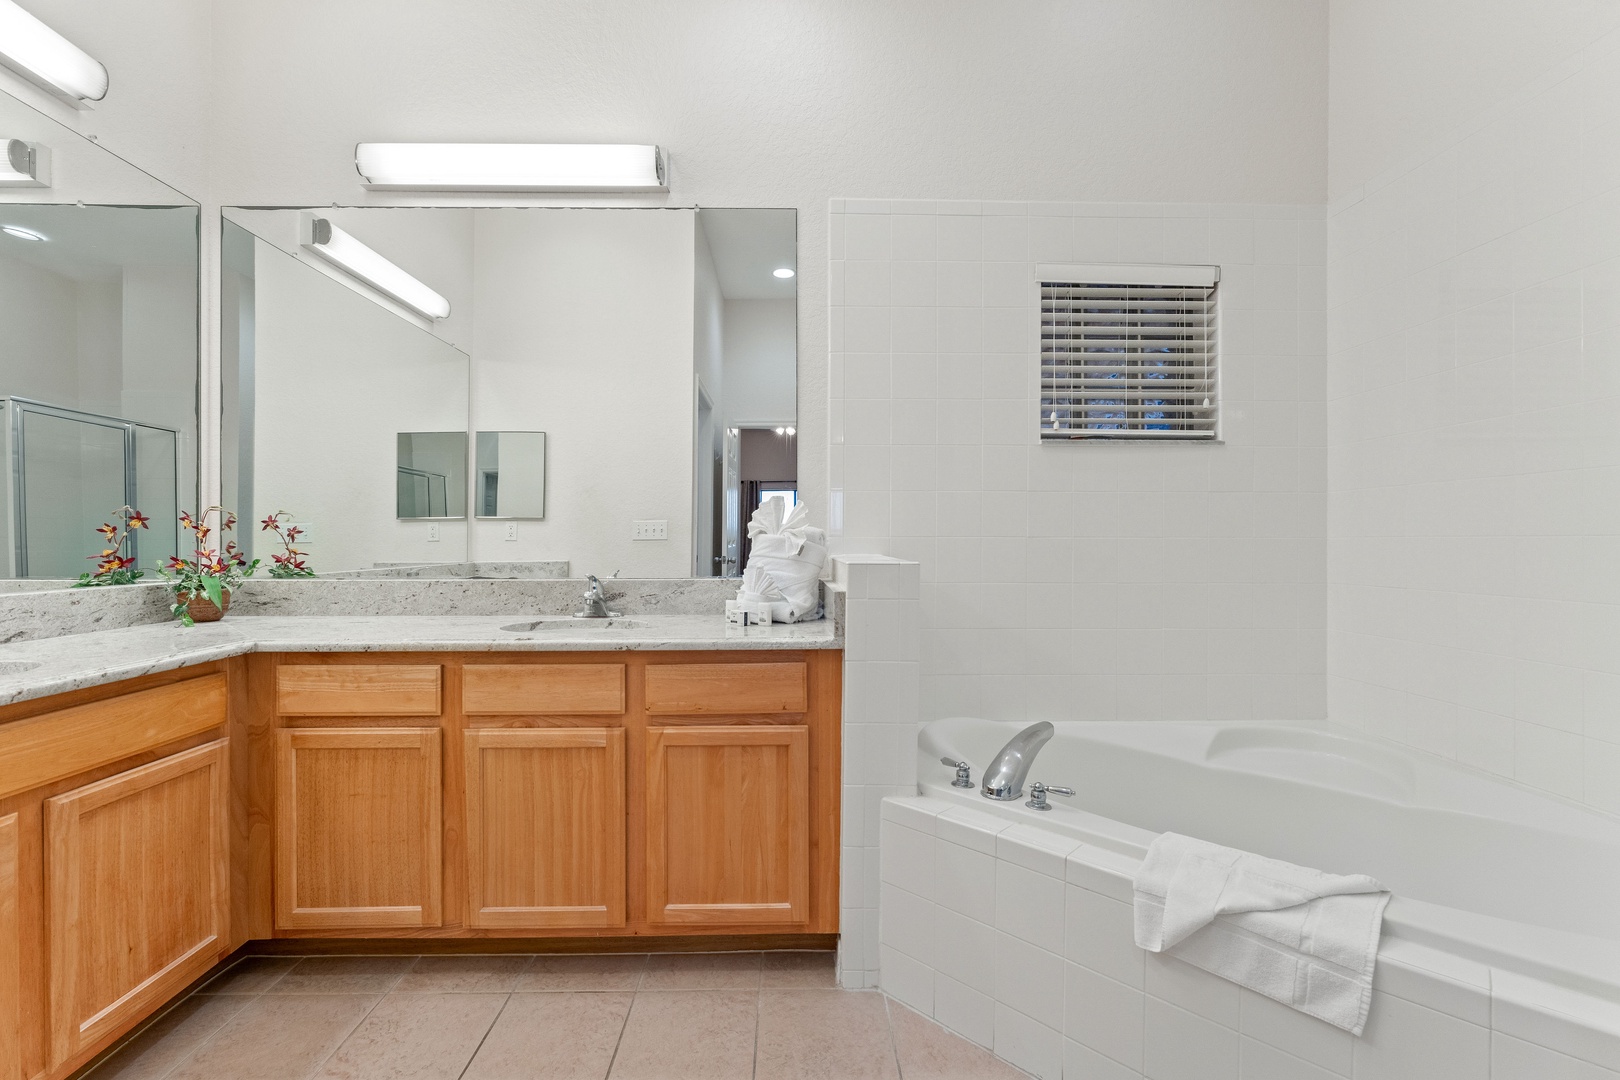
pixel 115 566
pixel 203 583
pixel 290 563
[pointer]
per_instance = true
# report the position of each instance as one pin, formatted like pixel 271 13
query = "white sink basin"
pixel 567 625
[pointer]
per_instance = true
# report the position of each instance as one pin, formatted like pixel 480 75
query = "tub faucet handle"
pixel 1039 791
pixel 964 772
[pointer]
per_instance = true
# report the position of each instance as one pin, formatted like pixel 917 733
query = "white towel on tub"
pixel 1298 936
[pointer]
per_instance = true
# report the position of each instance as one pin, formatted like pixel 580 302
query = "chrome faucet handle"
pixel 1039 791
pixel 964 772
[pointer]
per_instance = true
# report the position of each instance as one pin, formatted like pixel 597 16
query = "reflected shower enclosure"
pixel 432 474
pixel 66 471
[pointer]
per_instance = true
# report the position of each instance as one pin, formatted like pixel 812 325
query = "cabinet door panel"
pixel 357 827
pixel 10 953
pixel 545 827
pixel 136 880
pixel 728 812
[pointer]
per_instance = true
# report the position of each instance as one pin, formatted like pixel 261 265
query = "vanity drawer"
pixel 357 689
pixel 722 689
pixel 570 689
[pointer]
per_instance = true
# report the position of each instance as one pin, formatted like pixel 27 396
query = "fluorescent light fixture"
pixel 25 164
pixel 41 55
pixel 510 167
pixel 320 237
pixel 783 272
pixel 24 234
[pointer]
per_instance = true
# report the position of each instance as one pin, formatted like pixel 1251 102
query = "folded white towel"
pixel 791 553
pixel 1296 935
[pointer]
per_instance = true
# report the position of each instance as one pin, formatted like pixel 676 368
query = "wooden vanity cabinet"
pixel 115 861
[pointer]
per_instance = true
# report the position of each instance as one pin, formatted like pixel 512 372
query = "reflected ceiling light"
pixel 510 167
pixel 25 164
pixel 783 272
pixel 23 234
pixel 41 55
pixel 320 237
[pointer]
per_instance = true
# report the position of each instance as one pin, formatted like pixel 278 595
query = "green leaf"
pixel 212 587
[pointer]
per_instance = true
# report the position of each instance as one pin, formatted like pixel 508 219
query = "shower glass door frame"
pixel 20 408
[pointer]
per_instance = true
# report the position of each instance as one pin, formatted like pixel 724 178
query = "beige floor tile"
pixel 250 975
pixel 929 1052
pixel 702 971
pixel 558 1036
pixel 277 1037
pixel 415 1037
pixel 343 975
pixel 597 971
pixel 799 970
pixel 170 1038
pixel 688 1035
pixel 463 975
pixel 824 1035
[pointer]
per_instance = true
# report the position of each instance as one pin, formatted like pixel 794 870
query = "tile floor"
pixel 714 1016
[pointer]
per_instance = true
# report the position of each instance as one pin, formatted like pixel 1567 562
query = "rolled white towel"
pixel 1297 935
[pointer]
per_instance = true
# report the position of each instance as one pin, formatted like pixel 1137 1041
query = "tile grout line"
pixel 485 1037
pixel 624 1026
pixel 758 994
pixel 210 1037
pixel 894 1045
pixel 350 1033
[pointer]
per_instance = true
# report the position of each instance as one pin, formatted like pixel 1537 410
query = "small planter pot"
pixel 202 609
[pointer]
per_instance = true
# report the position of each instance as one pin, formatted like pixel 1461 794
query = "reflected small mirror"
pixel 511 475
pixel 432 474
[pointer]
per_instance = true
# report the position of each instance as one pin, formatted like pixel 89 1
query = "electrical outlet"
pixel 433 533
pixel 511 530
pixel 649 530
pixel 306 533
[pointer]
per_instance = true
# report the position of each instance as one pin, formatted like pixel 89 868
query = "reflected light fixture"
pixel 25 164
pixel 510 167
pixel 783 272
pixel 46 58
pixel 24 234
pixel 320 237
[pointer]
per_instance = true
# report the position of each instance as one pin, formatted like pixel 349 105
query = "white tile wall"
pixel 1095 580
pixel 1067 992
pixel 881 673
pixel 1473 392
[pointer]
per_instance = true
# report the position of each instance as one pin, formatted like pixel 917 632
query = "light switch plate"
pixel 511 530
pixel 649 530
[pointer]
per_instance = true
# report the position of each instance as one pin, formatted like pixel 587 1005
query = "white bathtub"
pixel 1503 937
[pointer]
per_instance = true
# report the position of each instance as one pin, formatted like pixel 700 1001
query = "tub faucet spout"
pixel 1004 778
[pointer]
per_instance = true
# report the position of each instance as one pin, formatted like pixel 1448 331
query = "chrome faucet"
pixel 596 601
pixel 1004 778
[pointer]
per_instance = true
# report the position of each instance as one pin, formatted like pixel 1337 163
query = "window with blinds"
pixel 1128 352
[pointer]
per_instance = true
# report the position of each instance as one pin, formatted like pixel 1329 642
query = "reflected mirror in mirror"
pixel 432 474
pixel 511 474
pixel 636 339
pixel 98 390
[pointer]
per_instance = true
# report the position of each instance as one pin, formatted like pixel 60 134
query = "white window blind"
pixel 1128 352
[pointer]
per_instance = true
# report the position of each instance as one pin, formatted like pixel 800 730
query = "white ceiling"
pixel 747 245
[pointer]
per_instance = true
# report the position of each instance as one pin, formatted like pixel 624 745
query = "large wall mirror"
pixel 508 392
pixel 98 372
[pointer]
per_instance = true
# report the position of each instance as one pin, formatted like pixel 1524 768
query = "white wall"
pixel 1473 382
pixel 585 332
pixel 760 337
pixel 336 378
pixel 790 105
pixel 1083 580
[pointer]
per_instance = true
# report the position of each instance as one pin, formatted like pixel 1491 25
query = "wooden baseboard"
pixel 474 946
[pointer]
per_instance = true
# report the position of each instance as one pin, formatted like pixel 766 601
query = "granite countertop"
pixel 35 669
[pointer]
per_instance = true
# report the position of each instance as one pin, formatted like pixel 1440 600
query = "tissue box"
pixel 748 612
